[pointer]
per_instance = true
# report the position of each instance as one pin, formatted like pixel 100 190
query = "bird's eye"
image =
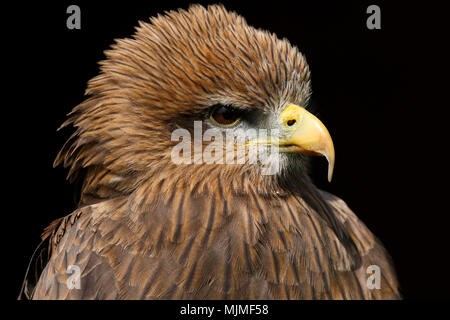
pixel 225 116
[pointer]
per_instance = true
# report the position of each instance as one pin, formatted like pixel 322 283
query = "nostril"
pixel 291 122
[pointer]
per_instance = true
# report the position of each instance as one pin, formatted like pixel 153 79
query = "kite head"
pixel 174 105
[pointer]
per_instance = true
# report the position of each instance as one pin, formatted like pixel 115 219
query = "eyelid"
pixel 217 106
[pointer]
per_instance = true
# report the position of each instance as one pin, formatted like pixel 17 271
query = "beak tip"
pixel 330 160
pixel 330 175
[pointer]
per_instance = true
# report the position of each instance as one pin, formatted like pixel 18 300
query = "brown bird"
pixel 148 227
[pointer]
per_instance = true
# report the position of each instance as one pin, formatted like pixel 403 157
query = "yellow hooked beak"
pixel 306 134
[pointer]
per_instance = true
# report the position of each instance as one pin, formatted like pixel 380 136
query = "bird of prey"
pixel 147 227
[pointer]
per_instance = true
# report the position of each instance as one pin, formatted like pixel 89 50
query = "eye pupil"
pixel 225 115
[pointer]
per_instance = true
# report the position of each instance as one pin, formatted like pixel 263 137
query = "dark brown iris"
pixel 225 116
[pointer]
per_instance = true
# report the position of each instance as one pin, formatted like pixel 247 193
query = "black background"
pixel 381 93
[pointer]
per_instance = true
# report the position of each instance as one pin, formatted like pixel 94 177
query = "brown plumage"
pixel 147 228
